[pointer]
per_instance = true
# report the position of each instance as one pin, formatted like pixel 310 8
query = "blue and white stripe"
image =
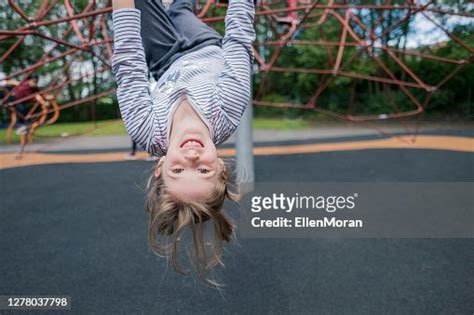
pixel 215 80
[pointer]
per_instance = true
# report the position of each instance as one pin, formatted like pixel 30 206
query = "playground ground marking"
pixel 423 142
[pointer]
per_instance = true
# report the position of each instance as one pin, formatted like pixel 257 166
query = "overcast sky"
pixel 427 33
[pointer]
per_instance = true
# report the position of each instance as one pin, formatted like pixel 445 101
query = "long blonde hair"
pixel 169 217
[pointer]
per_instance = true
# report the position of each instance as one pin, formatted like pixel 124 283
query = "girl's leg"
pixel 160 38
pixel 190 27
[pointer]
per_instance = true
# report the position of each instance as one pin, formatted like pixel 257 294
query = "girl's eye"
pixel 203 171
pixel 177 170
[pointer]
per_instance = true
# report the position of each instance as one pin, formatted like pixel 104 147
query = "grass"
pixel 102 128
pixel 116 127
pixel 280 123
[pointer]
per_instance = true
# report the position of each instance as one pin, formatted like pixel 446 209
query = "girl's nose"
pixel 191 155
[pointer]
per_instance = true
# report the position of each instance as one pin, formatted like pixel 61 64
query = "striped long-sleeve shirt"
pixel 215 80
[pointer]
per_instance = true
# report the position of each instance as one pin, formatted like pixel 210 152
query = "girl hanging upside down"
pixel 202 90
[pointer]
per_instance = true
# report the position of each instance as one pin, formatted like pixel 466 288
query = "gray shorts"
pixel 168 35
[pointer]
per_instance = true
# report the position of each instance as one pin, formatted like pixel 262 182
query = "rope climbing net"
pixel 338 53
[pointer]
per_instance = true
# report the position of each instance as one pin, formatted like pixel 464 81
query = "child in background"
pixel 203 88
pixel 26 88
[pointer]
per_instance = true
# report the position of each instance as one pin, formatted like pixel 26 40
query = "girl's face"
pixel 191 167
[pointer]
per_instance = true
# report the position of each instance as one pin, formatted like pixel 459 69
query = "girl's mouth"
pixel 192 143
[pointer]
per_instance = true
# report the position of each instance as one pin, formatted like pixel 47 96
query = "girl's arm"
pixel 233 90
pixel 122 4
pixel 130 70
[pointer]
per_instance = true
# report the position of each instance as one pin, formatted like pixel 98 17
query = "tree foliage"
pixel 369 97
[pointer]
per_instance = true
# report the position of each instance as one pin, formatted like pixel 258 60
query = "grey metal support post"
pixel 244 147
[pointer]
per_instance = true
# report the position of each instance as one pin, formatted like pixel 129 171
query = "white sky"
pixel 426 33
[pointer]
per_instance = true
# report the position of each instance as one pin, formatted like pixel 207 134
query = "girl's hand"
pixel 121 4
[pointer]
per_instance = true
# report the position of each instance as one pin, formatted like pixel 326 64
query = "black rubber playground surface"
pixel 80 230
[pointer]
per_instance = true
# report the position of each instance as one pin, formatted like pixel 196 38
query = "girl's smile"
pixel 192 142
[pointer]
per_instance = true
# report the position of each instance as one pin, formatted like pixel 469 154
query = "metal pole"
pixel 244 148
